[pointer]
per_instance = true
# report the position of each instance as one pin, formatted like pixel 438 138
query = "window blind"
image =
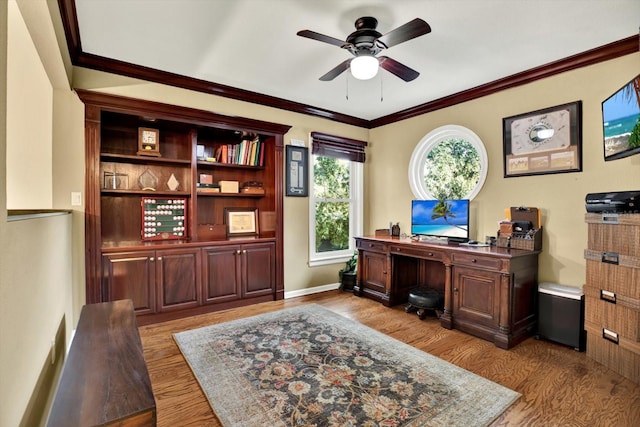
pixel 336 146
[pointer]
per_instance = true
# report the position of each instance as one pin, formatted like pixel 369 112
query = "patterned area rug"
pixel 307 366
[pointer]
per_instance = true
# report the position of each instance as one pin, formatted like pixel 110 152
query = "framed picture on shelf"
pixel 297 174
pixel 543 141
pixel 241 221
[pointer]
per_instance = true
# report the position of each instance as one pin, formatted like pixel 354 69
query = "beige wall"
pixel 560 196
pixel 35 254
pixel 29 121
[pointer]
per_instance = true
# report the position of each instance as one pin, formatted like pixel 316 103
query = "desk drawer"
pixel 476 261
pixel 424 253
pixel 368 245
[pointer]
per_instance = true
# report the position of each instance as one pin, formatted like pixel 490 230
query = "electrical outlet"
pixel 53 350
pixel 76 198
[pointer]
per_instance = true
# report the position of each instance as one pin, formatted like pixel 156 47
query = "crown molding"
pixel 79 58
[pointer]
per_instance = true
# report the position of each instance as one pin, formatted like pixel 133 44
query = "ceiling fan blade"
pixel 408 31
pixel 321 37
pixel 335 72
pixel 394 67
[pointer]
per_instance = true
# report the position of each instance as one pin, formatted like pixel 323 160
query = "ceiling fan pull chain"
pixel 381 93
pixel 347 80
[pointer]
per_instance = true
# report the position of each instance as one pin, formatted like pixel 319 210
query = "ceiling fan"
pixel 365 43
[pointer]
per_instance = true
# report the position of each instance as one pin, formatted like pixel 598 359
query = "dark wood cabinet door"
pixel 374 271
pixel 177 272
pixel 221 273
pixel 476 296
pixel 258 269
pixel 130 275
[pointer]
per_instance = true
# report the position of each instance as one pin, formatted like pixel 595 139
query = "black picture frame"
pixel 544 141
pixel 297 172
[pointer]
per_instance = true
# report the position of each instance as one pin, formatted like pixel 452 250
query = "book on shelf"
pixel 246 152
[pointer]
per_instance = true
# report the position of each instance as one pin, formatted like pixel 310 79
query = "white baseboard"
pixel 309 291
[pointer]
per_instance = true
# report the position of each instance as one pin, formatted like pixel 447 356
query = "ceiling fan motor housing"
pixel 363 40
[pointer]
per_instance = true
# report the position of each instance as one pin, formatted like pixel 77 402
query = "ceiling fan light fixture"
pixel 364 67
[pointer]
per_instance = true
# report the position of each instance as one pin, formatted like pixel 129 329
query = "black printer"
pixel 619 201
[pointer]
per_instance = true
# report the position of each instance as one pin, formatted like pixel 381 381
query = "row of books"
pixel 247 152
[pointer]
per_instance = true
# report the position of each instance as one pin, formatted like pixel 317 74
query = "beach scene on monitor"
pixel 621 121
pixel 442 218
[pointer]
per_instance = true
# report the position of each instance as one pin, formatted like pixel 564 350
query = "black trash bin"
pixel 561 315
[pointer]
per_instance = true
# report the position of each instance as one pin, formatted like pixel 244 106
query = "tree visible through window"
pixel 332 194
pixel 335 197
pixel 452 169
pixel 450 162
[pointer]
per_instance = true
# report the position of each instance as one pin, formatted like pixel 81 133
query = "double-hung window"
pixel 335 197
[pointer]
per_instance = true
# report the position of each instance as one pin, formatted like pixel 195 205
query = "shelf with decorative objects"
pixel 139 152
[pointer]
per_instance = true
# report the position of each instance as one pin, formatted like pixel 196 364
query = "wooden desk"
pixel 105 381
pixel 490 292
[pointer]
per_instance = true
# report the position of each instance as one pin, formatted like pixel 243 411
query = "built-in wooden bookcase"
pixel 200 270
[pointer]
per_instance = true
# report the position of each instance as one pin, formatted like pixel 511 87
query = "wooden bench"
pixel 104 380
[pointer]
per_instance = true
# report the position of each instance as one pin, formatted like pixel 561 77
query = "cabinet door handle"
pixel 159 258
pixel 474 260
pixel 152 259
pixel 611 258
pixel 430 253
pixel 455 289
pixel 244 251
pixel 238 252
pixel 608 296
pixel 610 336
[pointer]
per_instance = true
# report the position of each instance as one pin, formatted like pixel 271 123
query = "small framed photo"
pixel 241 221
pixel 543 141
pixel 297 175
pixel 148 142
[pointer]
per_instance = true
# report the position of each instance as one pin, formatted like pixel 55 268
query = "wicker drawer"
pixel 619 233
pixel 416 252
pixel 616 353
pixel 368 245
pixel 476 261
pixel 616 278
pixel 613 311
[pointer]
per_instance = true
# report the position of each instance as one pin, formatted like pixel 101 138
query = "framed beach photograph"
pixel 621 122
pixel 543 141
pixel 241 221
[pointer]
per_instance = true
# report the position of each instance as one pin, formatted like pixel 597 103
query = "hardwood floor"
pixel 559 386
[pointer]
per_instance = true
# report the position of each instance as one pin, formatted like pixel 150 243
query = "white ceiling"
pixel 252 44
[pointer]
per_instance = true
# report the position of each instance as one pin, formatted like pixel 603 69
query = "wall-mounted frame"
pixel 241 221
pixel 543 141
pixel 621 122
pixel 297 174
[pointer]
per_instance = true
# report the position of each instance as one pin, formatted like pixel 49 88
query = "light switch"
pixel 76 198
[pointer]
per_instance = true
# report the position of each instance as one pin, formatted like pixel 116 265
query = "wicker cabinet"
pixel 612 292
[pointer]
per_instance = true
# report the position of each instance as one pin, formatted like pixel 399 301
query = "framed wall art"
pixel 543 141
pixel 297 174
pixel 241 221
pixel 621 122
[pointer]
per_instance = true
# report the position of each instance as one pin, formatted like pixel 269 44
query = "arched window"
pixel 450 162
